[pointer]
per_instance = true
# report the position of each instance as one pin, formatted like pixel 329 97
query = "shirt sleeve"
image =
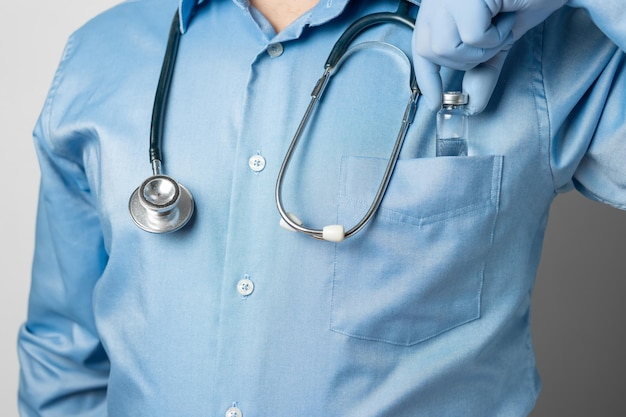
pixel 64 368
pixel 585 87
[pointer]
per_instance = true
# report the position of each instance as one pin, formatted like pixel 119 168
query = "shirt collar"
pixel 187 8
pixel 185 11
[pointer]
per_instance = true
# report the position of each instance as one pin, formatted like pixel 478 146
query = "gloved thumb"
pixel 480 81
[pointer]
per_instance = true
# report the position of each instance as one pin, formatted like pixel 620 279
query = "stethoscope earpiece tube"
pixel 336 232
pixel 160 204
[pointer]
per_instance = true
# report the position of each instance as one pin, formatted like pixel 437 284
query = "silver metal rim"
pixel 147 220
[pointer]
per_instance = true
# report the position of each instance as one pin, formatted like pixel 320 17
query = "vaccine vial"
pixel 452 125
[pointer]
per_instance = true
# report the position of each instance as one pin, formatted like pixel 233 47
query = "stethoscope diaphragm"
pixel 161 205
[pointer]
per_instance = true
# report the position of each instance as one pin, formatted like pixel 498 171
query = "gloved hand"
pixel 474 36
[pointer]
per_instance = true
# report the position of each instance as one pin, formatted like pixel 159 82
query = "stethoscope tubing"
pixel 355 29
pixel 339 50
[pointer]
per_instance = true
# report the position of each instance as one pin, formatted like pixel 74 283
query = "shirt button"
pixel 245 287
pixel 275 49
pixel 256 163
pixel 233 412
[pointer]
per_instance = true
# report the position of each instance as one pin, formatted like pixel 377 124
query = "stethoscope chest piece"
pixel 161 205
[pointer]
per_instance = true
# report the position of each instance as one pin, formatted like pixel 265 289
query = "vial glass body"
pixel 452 126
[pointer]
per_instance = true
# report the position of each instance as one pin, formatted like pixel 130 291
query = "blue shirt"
pixel 423 313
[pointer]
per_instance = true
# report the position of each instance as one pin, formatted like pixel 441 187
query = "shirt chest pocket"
pixel 416 270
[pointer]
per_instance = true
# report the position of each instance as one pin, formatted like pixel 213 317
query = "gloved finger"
pixel 429 81
pixel 480 81
pixel 444 46
pixel 479 28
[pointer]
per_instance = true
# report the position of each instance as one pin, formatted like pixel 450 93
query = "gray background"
pixel 578 318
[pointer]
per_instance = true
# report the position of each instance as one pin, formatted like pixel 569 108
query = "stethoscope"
pixel 161 204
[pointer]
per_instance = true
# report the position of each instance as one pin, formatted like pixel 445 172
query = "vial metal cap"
pixel 455 98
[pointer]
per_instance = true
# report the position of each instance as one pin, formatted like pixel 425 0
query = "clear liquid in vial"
pixel 451 147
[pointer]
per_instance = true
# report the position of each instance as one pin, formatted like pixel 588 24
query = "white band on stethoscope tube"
pixel 331 233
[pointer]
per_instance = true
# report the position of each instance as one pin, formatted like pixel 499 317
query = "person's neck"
pixel 281 13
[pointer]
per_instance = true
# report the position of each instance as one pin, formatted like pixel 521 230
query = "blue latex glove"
pixel 474 36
